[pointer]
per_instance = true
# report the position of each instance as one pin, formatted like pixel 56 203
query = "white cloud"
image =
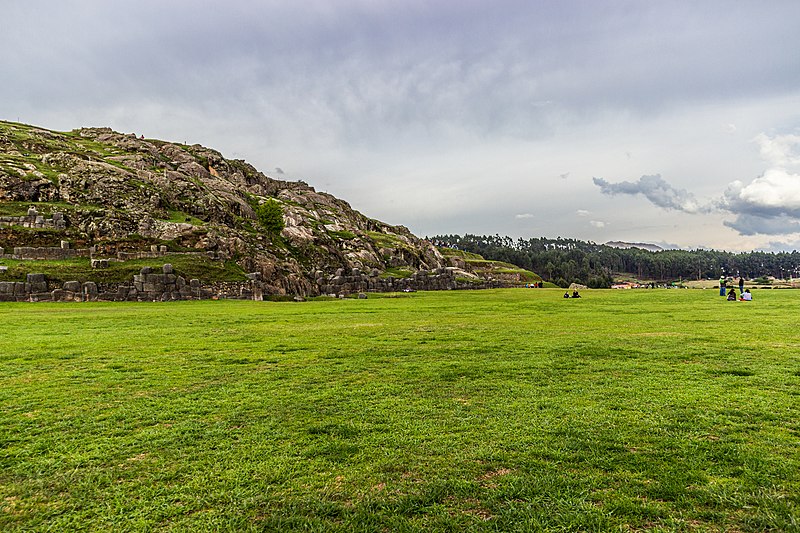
pixel 780 150
pixel 597 223
pixel 524 215
pixel 776 190
pixel 583 213
pixel 770 204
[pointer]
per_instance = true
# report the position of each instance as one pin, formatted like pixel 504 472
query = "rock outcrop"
pixel 118 194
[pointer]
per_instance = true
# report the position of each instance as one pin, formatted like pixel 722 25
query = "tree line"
pixel 565 261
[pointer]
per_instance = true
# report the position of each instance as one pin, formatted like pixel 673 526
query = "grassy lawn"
pixel 508 410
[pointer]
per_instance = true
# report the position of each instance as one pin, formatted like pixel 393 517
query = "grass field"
pixel 508 410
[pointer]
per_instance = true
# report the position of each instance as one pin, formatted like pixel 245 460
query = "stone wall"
pixel 165 285
pixel 355 281
pixel 48 253
pixel 34 220
pixel 147 286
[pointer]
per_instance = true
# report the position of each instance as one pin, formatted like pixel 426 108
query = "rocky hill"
pixel 113 196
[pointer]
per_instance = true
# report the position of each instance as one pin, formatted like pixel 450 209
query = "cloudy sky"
pixel 668 122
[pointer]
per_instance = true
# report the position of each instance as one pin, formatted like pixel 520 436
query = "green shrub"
pixel 270 215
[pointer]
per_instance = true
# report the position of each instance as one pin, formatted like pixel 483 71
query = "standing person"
pixel 722 285
pixel 741 284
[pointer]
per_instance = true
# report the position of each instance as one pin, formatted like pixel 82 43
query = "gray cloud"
pixel 361 95
pixel 749 224
pixel 655 189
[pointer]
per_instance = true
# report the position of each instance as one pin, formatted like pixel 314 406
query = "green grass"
pixel 180 216
pixel 397 273
pixel 344 235
pixel 17 209
pixel 512 410
pixel 452 252
pixel 386 240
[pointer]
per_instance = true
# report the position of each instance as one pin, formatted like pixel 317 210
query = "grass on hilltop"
pixel 508 410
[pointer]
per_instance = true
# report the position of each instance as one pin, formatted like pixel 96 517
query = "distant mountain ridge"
pixel 625 245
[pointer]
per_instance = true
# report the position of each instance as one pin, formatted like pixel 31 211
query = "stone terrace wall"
pixel 165 285
pixel 147 286
pixel 423 280
pixel 48 253
pixel 34 220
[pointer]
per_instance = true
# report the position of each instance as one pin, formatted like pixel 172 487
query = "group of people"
pixel 745 295
pixel 574 294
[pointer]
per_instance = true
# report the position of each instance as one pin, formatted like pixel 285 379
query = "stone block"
pixel 58 295
pixel 169 279
pixel 194 283
pixel 90 287
pixel 154 248
pixel 21 289
pixel 72 286
pixel 33 212
pixel 145 270
pixel 99 263
pixel 162 249
pixel 167 268
pixel 148 287
pixel 41 296
pixel 6 287
pixel 2 250
pixel 39 286
pixel 58 217
pixel 180 282
pixel 362 296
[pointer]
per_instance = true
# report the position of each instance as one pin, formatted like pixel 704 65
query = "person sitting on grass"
pixel 732 295
pixel 575 294
pixel 746 296
pixel 566 294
